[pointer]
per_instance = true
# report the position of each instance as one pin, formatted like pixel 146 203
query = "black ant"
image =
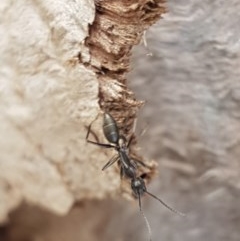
pixel 119 143
pixel 128 167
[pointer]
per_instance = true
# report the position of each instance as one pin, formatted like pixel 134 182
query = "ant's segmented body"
pixel 128 167
pixel 119 143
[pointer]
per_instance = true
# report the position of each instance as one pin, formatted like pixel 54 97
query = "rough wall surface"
pixel 191 87
pixel 46 99
pixel 50 94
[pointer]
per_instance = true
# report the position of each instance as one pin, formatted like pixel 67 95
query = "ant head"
pixel 138 186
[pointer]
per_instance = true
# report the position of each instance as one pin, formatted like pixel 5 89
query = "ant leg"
pixel 112 160
pixel 132 135
pixel 96 143
pixel 130 140
pixel 121 169
pixel 101 144
pixel 121 173
pixel 140 163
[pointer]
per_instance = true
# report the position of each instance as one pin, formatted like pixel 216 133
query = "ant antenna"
pixel 165 205
pixel 145 218
pixel 138 187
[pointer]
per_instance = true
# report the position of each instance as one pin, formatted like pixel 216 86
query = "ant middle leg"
pixel 140 163
pixel 111 161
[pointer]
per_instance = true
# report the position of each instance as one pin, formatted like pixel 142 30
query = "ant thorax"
pixel 122 144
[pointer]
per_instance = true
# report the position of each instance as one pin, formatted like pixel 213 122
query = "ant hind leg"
pixel 95 136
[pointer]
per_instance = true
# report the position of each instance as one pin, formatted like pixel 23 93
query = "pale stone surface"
pixel 46 100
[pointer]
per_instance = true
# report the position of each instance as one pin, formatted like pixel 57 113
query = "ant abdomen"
pixel 110 129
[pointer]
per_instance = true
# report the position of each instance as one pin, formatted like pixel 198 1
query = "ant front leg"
pixel 130 140
pixel 134 160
